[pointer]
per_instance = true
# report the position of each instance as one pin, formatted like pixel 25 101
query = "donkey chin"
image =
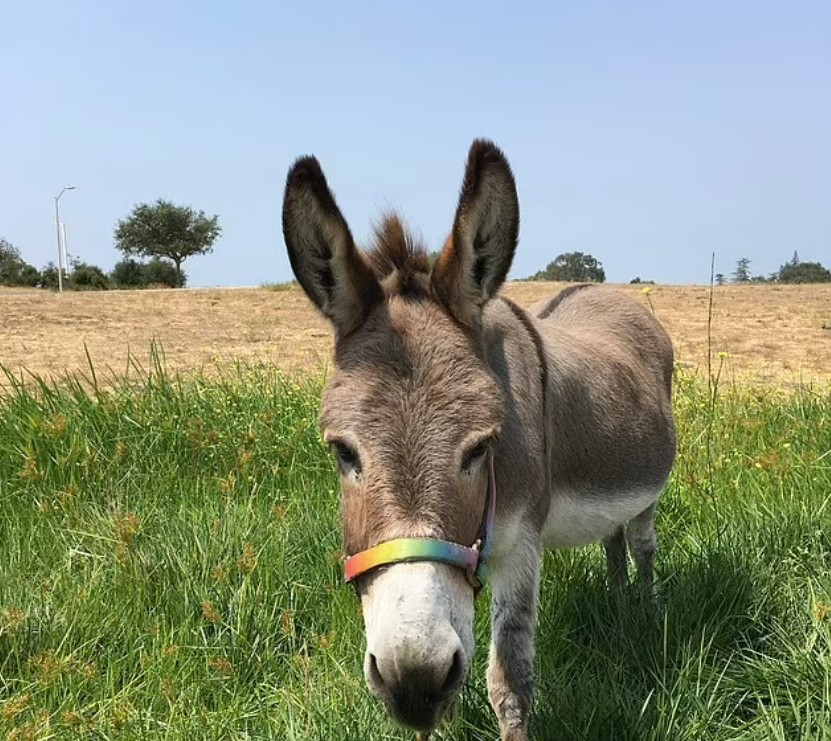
pixel 419 629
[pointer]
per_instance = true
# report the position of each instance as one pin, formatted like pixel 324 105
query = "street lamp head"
pixel 70 187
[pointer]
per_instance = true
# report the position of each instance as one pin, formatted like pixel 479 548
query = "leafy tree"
pixel 163 229
pixel 14 271
pixel 573 267
pixel 804 272
pixel 720 279
pixel 742 272
pixel 9 262
pixel 638 280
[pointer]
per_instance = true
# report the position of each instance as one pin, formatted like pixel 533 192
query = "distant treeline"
pixel 578 267
pixel 793 271
pixel 82 276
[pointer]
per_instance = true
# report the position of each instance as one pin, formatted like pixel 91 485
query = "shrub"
pixel 86 277
pixel 131 273
pixel 49 277
pixel 162 272
pixel 128 273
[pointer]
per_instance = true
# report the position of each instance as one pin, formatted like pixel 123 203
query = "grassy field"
pixel 169 568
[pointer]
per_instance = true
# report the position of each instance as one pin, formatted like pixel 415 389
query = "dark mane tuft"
pixel 398 258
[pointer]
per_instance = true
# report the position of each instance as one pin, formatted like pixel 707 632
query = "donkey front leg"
pixel 616 567
pixel 643 545
pixel 514 583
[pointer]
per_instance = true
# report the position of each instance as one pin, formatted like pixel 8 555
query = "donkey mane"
pixel 399 259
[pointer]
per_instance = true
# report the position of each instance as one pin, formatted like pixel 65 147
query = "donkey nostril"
pixel 375 673
pixel 454 675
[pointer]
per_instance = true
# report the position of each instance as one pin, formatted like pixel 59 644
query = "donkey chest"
pixel 576 519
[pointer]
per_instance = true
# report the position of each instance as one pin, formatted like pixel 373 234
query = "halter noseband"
pixel 472 560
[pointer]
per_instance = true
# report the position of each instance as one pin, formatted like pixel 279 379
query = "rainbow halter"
pixel 472 560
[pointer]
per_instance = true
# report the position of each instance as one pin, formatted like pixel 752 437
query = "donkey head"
pixel 411 411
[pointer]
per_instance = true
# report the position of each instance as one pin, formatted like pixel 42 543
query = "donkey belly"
pixel 580 518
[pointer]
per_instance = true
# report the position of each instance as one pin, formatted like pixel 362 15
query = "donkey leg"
pixel 514 584
pixel 643 544
pixel 617 572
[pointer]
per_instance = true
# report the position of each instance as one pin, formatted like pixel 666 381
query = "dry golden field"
pixel 773 334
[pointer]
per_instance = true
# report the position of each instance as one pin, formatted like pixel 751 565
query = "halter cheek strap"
pixel 471 559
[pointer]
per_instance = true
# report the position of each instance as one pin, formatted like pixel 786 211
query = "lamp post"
pixel 58 232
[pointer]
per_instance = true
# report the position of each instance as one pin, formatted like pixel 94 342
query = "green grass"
pixel 169 568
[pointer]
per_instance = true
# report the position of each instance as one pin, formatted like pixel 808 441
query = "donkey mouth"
pixel 419 710
pixel 421 714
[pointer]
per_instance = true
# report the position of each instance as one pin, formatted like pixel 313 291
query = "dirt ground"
pixel 773 334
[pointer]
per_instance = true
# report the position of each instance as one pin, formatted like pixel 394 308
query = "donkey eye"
pixel 347 458
pixel 475 455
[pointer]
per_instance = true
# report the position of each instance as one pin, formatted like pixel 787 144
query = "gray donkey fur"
pixel 434 372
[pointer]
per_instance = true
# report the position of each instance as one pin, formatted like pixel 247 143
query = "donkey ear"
pixel 333 273
pixel 478 254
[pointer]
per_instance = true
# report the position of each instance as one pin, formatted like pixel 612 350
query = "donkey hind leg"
pixel 514 585
pixel 617 572
pixel 643 544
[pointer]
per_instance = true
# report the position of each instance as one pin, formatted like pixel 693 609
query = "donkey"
pixel 468 430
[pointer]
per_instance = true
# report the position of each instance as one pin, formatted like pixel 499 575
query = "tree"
pixel 164 230
pixel 804 272
pixel 742 272
pixel 9 262
pixel 14 271
pixel 720 279
pixel 573 267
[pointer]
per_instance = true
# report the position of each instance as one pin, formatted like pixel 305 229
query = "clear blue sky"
pixel 646 133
